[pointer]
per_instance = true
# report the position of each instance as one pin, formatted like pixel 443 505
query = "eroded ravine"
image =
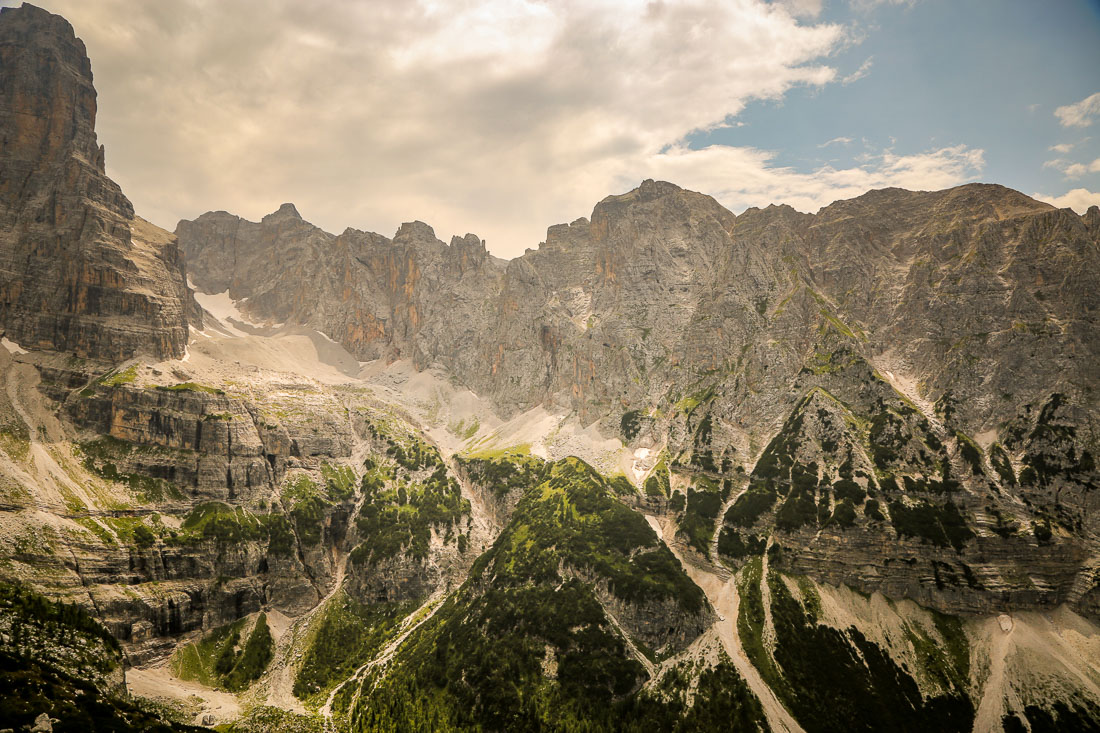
pixel 720 588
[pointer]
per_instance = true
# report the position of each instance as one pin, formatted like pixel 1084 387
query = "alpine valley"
pixel 674 469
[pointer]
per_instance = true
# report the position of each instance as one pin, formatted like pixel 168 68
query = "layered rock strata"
pixel 79 272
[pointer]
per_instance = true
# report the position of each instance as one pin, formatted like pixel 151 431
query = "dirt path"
pixel 722 594
pixel 767 634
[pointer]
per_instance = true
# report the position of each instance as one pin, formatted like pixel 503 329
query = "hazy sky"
pixel 501 117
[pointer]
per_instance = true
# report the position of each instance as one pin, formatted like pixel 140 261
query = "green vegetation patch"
pixel 940 524
pixel 722 701
pixel 347 634
pixel 266 719
pixel 502 474
pixel 199 660
pixel 189 387
pixel 838 680
pixel 699 517
pixel 340 483
pixel 970 452
pixel 102 456
pixel 23 607
pixel 252 660
pixel 115 378
pixel 222 522
pixel 525 644
pixel 797 510
pixel 702 453
pixel 223 659
pixel 15 440
pixel 757 499
pixel 998 458
pixel 306 506
pixel 413 454
pixel 573 517
pixel 398 515
pixel 659 479
pixel 734 544
pixel 57 659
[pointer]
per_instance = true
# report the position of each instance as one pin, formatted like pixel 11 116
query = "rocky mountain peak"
pixel 38 48
pixel 286 211
pixel 470 250
pixel 37 26
pixel 412 231
pixel 74 275
pixel 1092 219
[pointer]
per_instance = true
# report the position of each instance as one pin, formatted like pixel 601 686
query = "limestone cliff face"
pixel 956 330
pixel 78 271
pixel 412 297
pixel 978 296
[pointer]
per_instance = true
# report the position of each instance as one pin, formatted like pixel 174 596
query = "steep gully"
pixel 721 590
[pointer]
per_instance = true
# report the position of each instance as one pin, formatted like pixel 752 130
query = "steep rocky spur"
pixel 79 272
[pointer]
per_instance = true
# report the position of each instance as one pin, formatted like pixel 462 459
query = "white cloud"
pixel 493 116
pixel 868 5
pixel 801 8
pixel 744 177
pixel 1081 114
pixel 1059 148
pixel 836 141
pixel 863 70
pixel 1079 199
pixel 499 117
pixel 1073 170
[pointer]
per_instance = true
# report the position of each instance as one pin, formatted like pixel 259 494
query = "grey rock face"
pixel 978 302
pixel 978 296
pixel 78 271
pixel 411 297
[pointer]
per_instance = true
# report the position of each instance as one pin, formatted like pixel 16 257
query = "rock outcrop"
pixel 979 295
pixel 957 329
pixel 412 297
pixel 896 395
pixel 79 272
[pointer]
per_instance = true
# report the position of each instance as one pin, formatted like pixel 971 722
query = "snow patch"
pixel 12 347
pixel 641 465
pixel 224 310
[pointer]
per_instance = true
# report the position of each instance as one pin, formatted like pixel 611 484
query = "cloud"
pixel 1059 148
pixel 869 5
pixel 744 177
pixel 1079 199
pixel 836 141
pixel 1073 170
pixel 1080 114
pixel 862 71
pixel 493 116
pixel 801 8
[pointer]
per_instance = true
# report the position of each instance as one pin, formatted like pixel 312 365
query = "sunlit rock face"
pixel 983 299
pixel 78 271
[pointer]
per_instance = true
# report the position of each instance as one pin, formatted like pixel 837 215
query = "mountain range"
pixel 673 468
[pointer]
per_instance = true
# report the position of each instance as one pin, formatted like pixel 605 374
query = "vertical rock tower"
pixel 78 271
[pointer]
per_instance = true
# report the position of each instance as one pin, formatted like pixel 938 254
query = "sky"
pixel 502 117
